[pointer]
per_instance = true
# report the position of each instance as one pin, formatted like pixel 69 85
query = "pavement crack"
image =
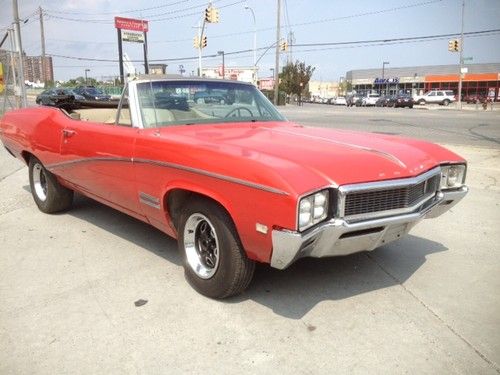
pixel 428 308
pixel 11 173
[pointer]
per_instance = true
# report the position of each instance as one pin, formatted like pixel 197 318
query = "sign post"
pixel 131 24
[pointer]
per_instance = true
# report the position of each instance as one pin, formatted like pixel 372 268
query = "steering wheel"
pixel 239 111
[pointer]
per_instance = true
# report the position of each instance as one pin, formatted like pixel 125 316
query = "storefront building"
pixel 481 80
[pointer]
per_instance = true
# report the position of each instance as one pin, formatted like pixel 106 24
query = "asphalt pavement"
pixel 93 291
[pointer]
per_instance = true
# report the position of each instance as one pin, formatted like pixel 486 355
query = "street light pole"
pixel 223 64
pixel 86 79
pixel 254 35
pixel 277 62
pixel 17 35
pixel 383 75
pixel 461 58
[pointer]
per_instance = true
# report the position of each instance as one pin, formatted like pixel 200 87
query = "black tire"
pixel 421 102
pixel 410 106
pixel 446 102
pixel 49 195
pixel 233 271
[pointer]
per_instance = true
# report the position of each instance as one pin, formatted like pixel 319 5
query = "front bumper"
pixel 339 237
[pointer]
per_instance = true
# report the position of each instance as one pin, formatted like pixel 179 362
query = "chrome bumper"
pixel 339 237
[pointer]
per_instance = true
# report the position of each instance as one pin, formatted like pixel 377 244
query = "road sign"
pixel 468 58
pixel 129 36
pixel 131 24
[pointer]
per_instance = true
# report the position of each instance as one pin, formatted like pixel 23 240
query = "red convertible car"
pixel 232 180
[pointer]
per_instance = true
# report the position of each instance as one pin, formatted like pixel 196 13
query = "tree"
pixel 295 78
pixel 345 87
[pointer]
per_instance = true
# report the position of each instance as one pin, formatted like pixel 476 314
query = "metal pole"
pixel 277 62
pixel 120 55
pixel 42 36
pixel 12 60
pixel 146 64
pixel 383 73
pixel 199 49
pixel 461 58
pixel 223 67
pixel 17 34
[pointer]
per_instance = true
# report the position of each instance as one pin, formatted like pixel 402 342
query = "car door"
pixel 432 98
pixel 98 159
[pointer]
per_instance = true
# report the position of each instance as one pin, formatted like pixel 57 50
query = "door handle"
pixel 67 133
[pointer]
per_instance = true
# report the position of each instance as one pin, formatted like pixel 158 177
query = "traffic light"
pixel 208 14
pixel 451 45
pixel 211 15
pixel 283 46
pixel 204 41
pixel 454 45
pixel 196 42
pixel 215 15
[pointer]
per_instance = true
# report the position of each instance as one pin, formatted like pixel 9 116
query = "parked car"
pixel 340 101
pixel 57 97
pixel 382 101
pixel 370 99
pixel 441 97
pixel 473 99
pixel 400 100
pixel 235 184
pixel 354 99
pixel 92 93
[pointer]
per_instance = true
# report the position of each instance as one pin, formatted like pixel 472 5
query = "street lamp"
pixel 86 80
pixel 223 64
pixel 383 75
pixel 254 38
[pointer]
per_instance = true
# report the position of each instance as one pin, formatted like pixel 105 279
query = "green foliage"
pixel 295 77
pixel 345 87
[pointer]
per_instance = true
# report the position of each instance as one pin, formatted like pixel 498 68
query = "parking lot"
pixel 429 303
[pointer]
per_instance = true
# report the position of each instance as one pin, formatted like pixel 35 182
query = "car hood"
pixel 305 158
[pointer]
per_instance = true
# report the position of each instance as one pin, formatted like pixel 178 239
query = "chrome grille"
pixel 381 199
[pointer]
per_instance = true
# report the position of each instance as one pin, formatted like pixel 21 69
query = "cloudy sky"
pixel 85 29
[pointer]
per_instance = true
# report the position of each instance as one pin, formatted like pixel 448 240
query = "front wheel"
pixel 446 102
pixel 215 263
pixel 49 195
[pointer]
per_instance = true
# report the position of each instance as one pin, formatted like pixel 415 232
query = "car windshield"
pixel 166 103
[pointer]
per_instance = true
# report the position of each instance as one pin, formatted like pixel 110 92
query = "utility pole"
pixel 461 58
pixel 42 35
pixel 277 62
pixel 17 33
pixel 13 64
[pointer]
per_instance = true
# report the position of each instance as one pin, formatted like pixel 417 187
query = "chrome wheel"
pixel 40 182
pixel 201 246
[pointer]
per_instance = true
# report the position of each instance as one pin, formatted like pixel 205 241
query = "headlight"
pixel 452 176
pixel 313 209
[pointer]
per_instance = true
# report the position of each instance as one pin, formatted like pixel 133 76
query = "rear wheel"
pixel 215 263
pixel 421 102
pixel 49 195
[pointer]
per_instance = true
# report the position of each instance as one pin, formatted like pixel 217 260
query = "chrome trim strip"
pixel 212 174
pixel 87 160
pixel 382 185
pixel 202 172
pixel 149 200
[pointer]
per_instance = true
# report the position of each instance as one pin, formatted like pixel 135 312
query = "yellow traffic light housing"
pixel 283 46
pixel 196 42
pixel 215 15
pixel 208 14
pixel 456 45
pixel 204 41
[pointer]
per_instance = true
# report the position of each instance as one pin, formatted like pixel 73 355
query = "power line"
pixel 364 43
pixel 219 36
pixel 151 18
pixel 117 12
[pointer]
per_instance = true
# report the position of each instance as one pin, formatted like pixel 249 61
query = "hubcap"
pixel 40 182
pixel 201 245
